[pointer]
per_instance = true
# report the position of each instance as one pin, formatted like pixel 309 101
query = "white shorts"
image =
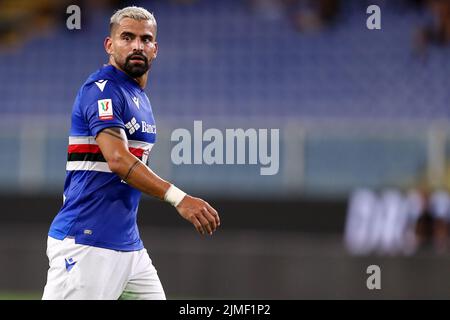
pixel 83 272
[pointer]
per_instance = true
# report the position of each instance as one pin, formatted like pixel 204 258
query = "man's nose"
pixel 138 44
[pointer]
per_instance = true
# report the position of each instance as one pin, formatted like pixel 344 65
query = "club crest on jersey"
pixel 105 109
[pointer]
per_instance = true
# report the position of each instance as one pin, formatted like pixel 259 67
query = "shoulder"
pixel 101 89
pixel 99 93
pixel 102 98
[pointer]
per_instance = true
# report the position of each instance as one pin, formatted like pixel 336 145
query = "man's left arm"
pixel 113 145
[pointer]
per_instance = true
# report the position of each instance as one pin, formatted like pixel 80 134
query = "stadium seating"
pixel 220 58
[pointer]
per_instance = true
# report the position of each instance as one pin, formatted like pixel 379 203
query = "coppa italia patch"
pixel 105 109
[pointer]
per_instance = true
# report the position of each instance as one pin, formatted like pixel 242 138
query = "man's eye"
pixel 126 38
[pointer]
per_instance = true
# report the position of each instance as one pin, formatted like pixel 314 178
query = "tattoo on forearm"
pixel 131 170
pixel 114 132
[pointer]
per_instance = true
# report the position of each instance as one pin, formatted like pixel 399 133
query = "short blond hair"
pixel 132 12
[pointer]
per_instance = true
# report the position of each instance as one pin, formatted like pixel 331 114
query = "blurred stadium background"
pixel 363 118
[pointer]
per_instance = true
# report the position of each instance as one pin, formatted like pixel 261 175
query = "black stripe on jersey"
pixel 96 157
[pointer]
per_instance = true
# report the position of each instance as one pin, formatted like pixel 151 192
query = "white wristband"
pixel 174 195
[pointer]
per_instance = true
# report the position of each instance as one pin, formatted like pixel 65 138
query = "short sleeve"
pixel 103 106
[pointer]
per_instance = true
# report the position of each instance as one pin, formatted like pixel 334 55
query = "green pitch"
pixel 20 295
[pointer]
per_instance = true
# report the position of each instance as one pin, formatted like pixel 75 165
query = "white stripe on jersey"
pixel 82 140
pixel 91 140
pixel 140 144
pixel 87 166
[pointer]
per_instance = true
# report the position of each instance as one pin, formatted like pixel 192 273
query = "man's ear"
pixel 108 45
pixel 156 50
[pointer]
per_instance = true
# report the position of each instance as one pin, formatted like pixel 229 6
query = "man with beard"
pixel 94 247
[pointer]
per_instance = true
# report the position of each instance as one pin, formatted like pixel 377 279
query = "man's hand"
pixel 204 217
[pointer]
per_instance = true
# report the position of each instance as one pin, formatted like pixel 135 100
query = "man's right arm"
pixel 114 147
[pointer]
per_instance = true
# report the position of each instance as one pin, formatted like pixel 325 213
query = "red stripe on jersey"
pixel 83 148
pixel 92 148
pixel 137 152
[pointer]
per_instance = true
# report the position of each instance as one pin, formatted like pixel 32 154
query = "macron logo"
pixel 101 84
pixel 136 101
pixel 69 264
pixel 132 126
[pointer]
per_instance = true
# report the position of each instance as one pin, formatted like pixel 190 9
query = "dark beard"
pixel 136 70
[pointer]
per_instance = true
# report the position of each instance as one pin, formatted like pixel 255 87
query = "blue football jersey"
pixel 99 208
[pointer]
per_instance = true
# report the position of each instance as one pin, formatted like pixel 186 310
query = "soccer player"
pixel 94 248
